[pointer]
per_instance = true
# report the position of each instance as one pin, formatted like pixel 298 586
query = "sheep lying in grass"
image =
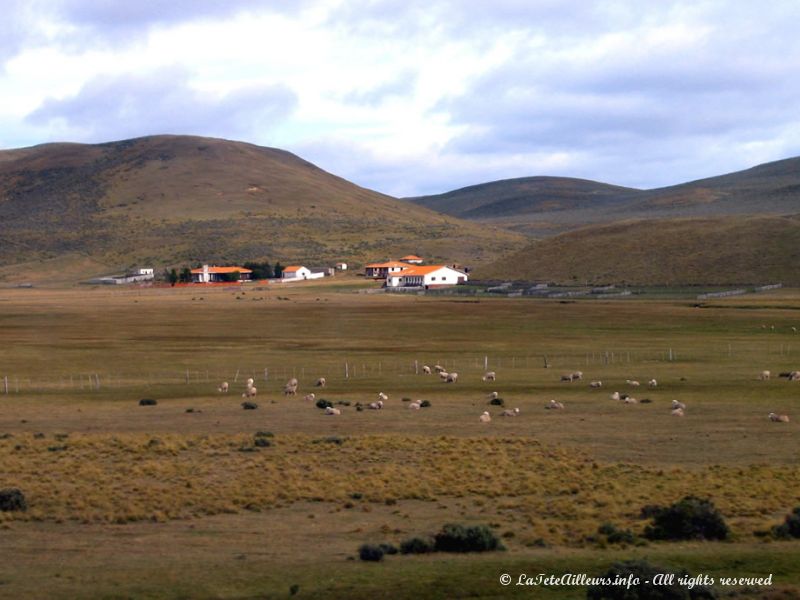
pixel 376 405
pixel 382 397
pixel 677 412
pixel 764 375
pixel 489 376
pixel 630 400
pixel 451 378
pixel 615 396
pixel 310 397
pixel 485 417
pixel 332 411
pixel 415 405
pixel 553 404
pixel 595 384
pixel 512 412
pixel 438 368
pixel 632 382
pixel 652 383
pixel 426 369
pixel 321 382
pixel 223 387
pixel 778 418
pixel 676 404
pixel 566 377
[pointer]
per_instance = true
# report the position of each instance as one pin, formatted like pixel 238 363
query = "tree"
pixel 172 277
pixel 186 275
pixel 278 270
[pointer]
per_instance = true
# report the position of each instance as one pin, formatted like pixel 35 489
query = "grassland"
pixel 157 502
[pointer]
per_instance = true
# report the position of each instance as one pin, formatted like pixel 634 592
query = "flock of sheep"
pixel 677 409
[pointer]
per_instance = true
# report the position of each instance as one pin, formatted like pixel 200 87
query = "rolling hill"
pixel 542 206
pixel 704 250
pixel 162 201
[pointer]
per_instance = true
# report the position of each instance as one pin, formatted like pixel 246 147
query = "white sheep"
pixel 443 375
pixel 595 384
pixel 321 382
pixel 577 375
pixel 615 396
pixel 764 375
pixel 415 405
pixel 250 392
pixel 290 389
pixel 452 377
pixel 310 397
pixel 652 383
pixel 249 383
pixel 223 387
pixel 566 377
pixel 632 383
pixel 438 368
pixel 630 400
pixel 510 412
pixel 494 396
pixel 676 404
pixel 794 376
pixel 329 410
pixel 376 405
pixel 382 397
pixel 489 376
pixel 778 418
pixel 426 369
pixel 554 405
pixel 677 412
pixel 485 417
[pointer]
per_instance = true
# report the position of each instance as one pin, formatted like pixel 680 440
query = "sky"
pixel 413 97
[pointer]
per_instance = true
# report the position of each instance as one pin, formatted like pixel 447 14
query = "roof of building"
pixel 292 268
pixel 411 257
pixel 426 270
pixel 221 270
pixel 386 265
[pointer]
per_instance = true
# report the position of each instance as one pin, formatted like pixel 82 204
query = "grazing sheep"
pixel 676 404
pixel 376 405
pixel 567 377
pixel 554 405
pixel 443 375
pixel 794 329
pixel 510 412
pixel 764 375
pixel 778 418
pixel 290 389
pixel 577 375
pixel 652 383
pixel 632 383
pixel 438 368
pixel 223 387
pixel 332 411
pixel 489 376
pixel 426 369
pixel 485 417
pixel 677 412
pixel 494 396
pixel 382 397
pixel 451 378
pixel 249 382
pixel 310 397
pixel 630 400
pixel 415 405
pixel 794 376
pixel 595 384
pixel 321 382
pixel 615 396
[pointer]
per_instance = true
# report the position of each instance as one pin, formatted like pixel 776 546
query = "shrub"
pixel 648 587
pixel 691 518
pixel 249 405
pixel 147 402
pixel 370 552
pixel 323 404
pixel 790 527
pixel 12 499
pixel 616 536
pixel 388 548
pixel 461 538
pixel 425 404
pixel 417 545
pixel 497 402
pixel 261 442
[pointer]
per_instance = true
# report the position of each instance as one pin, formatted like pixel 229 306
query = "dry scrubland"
pixel 130 501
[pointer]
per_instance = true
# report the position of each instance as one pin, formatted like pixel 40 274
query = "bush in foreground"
pixel 12 499
pixel 370 553
pixel 466 538
pixel 649 587
pixel 417 545
pixel 790 528
pixel 691 518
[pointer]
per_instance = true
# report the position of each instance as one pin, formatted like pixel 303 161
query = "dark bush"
pixel 323 404
pixel 12 499
pixel 388 548
pixel 147 402
pixel 261 442
pixel 616 536
pixel 648 588
pixel 790 527
pixel 691 518
pixel 425 404
pixel 465 538
pixel 417 545
pixel 264 434
pixel 369 552
pixel 497 402
pixel 249 405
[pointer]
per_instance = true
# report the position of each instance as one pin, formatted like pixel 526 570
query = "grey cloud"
pixel 162 102
pixel 399 86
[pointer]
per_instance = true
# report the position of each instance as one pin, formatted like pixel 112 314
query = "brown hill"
pixel 171 200
pixel 722 250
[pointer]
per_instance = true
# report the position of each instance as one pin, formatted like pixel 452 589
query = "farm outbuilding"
pixel 214 274
pixel 427 277
pixel 299 272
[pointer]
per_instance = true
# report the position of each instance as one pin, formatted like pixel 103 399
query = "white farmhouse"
pixel 426 277
pixel 299 273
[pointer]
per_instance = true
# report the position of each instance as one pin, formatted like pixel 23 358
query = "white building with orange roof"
pixel 299 273
pixel 214 274
pixel 384 269
pixel 426 277
pixel 412 259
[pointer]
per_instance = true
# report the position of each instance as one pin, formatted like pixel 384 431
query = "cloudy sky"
pixel 419 96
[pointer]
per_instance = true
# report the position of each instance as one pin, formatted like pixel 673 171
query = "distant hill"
pixel 542 206
pixel 171 200
pixel 719 250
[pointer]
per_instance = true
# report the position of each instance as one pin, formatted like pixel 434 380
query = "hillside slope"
pixel 168 200
pixel 542 206
pixel 723 250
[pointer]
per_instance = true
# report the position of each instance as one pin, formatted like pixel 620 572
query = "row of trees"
pixel 261 270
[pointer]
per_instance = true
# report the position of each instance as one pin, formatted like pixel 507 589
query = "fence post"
pixel 5 384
